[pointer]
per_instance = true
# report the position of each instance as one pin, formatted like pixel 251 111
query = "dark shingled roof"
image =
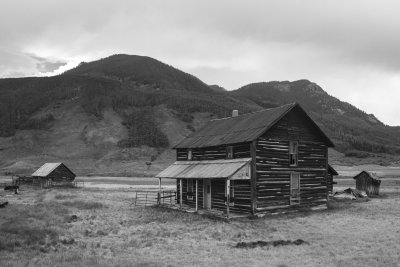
pixel 244 128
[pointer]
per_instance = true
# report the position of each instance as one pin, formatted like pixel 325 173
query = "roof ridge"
pixel 258 111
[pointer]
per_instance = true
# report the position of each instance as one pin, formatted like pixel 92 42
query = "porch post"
pixel 159 191
pixel 197 194
pixel 180 195
pixel 228 199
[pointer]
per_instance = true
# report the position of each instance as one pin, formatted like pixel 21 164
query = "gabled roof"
pixel 244 128
pixel 48 168
pixel 373 175
pixel 210 169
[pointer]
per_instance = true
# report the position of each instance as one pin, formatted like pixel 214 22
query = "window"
pixel 189 189
pixel 189 154
pixel 293 153
pixel 294 188
pixel 231 188
pixel 229 152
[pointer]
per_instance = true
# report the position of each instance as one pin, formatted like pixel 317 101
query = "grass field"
pixel 101 227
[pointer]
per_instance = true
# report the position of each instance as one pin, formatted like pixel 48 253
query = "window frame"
pixel 293 153
pixel 189 154
pixel 229 152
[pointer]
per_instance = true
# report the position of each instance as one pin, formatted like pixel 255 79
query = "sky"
pixel 350 48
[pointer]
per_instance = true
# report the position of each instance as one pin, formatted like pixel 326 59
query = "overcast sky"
pixel 350 48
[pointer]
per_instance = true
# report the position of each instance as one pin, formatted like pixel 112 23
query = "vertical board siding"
pixel 365 183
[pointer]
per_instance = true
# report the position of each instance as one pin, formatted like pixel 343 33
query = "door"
pixel 207 194
pixel 294 189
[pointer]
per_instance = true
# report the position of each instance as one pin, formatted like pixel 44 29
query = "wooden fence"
pixel 151 198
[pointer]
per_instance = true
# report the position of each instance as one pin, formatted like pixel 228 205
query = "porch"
pixel 212 185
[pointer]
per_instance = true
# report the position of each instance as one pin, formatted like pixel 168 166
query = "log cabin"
pixel 368 182
pixel 254 163
pixel 56 172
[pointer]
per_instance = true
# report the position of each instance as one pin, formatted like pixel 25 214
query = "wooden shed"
pixel 56 172
pixel 253 163
pixel 368 182
pixel 331 172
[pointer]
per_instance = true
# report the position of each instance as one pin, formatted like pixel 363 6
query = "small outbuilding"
pixel 331 172
pixel 56 172
pixel 368 182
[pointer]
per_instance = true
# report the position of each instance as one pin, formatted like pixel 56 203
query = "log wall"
pixel 242 201
pixel 273 168
pixel 241 150
pixel 241 188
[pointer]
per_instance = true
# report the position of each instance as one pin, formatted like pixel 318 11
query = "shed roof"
pixel 48 168
pixel 331 170
pixel 372 175
pixel 211 169
pixel 244 128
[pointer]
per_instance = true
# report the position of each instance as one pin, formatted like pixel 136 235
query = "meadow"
pixel 101 227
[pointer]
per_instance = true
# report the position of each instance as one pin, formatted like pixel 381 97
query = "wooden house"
pixel 368 182
pixel 55 172
pixel 253 163
pixel 331 172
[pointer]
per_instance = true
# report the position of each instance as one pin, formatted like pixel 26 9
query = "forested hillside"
pixel 349 127
pixel 136 88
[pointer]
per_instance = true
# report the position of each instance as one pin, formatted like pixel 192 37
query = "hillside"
pixel 120 115
pixel 349 127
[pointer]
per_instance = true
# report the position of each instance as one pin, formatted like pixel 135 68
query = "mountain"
pixel 120 115
pixel 349 127
pixel 217 88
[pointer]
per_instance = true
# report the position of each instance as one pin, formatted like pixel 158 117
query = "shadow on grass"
pixel 83 205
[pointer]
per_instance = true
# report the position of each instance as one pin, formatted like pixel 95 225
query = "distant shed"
pixel 54 171
pixel 331 172
pixel 368 182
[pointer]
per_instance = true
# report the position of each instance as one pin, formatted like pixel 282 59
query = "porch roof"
pixel 207 169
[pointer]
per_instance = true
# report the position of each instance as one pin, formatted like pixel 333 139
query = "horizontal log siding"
pixel 242 202
pixel 191 202
pixel 294 126
pixel 329 184
pixel 241 150
pixel 242 188
pixel 273 167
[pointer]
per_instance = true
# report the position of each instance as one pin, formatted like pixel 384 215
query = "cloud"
pixel 350 48
pixel 45 65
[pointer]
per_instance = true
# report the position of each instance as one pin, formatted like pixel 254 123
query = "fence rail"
pixel 151 198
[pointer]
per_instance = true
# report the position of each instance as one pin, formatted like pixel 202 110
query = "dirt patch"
pixel 275 243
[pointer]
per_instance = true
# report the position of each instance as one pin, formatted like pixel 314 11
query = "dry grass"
pixel 83 205
pixel 118 234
